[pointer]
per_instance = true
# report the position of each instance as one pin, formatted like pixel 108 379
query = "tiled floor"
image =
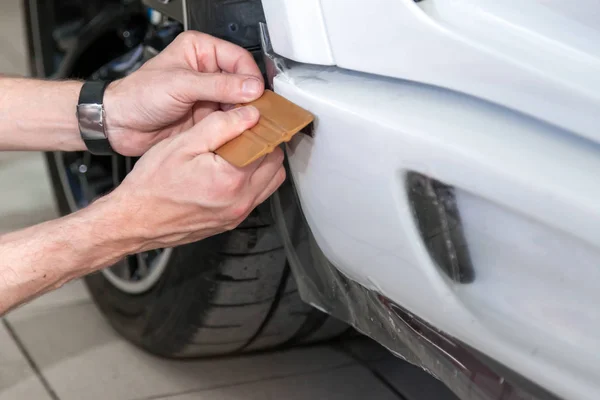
pixel 78 355
pixel 60 347
pixel 12 39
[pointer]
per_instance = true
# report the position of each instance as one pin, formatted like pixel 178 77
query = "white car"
pixel 445 202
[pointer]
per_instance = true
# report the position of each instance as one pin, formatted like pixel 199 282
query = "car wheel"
pixel 230 293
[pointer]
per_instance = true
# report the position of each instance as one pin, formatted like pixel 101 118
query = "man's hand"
pixel 175 90
pixel 180 191
pixel 194 76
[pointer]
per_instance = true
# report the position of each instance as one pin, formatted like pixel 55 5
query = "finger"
pixel 273 185
pixel 191 87
pixel 265 172
pixel 228 56
pixel 218 128
pixel 249 170
pixel 227 107
pixel 202 109
pixel 205 53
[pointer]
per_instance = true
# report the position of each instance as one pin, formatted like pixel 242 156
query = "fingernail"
pixel 251 87
pixel 247 112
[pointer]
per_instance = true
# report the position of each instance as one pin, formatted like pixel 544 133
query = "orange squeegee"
pixel 280 119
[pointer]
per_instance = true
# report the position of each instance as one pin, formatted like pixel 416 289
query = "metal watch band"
pixel 90 114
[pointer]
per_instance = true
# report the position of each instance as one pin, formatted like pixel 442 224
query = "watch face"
pixel 91 121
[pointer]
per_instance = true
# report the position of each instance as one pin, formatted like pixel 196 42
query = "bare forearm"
pixel 39 115
pixel 44 257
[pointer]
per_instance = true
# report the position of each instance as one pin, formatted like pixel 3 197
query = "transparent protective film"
pixel 467 372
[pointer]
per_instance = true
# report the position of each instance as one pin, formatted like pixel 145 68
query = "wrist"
pixel 103 232
pixel 113 119
pixel 91 114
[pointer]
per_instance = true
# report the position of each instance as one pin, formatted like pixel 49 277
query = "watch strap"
pixel 90 113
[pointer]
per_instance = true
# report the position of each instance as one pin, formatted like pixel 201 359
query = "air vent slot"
pixel 434 207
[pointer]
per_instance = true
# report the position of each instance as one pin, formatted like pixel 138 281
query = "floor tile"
pixel 27 197
pixel 12 32
pixel 11 9
pixel 71 293
pixel 17 379
pixel 365 349
pixel 411 380
pixel 12 63
pixel 79 353
pixel 347 383
pixel 7 63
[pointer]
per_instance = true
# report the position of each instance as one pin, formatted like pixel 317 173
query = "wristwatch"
pixel 90 115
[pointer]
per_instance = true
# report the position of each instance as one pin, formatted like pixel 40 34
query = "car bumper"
pixel 526 194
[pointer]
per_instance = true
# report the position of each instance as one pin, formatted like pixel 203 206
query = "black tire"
pixel 228 294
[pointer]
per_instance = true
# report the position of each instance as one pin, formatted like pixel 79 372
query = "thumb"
pixel 219 128
pixel 192 87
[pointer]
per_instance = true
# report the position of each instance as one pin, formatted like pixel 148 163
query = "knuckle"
pixel 278 155
pixel 247 54
pixel 189 36
pixel 232 184
pixel 281 175
pixel 182 40
pixel 240 210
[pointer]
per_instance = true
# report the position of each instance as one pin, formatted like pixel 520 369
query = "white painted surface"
pixel 541 58
pixel 535 183
pixel 536 287
pixel 297 30
pixel 497 99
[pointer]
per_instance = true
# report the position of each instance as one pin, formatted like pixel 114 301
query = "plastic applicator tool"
pixel 280 120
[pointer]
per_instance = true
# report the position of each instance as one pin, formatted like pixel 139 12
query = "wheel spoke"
pixel 101 186
pixel 119 169
pixel 129 162
pixel 142 265
pixel 79 169
pixel 122 269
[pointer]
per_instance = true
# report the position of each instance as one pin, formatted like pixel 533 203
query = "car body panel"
pixel 527 217
pixel 298 30
pixel 538 58
pixel 499 100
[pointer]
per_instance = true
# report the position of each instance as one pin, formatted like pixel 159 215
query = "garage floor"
pixel 60 347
